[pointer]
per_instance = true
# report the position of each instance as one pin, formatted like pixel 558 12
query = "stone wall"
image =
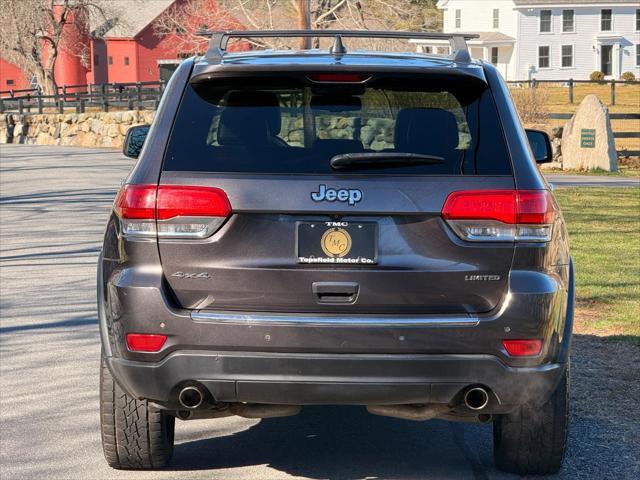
pixel 93 129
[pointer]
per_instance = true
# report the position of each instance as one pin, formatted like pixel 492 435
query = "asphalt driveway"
pixel 54 204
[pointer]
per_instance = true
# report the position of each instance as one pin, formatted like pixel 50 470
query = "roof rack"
pixel 219 40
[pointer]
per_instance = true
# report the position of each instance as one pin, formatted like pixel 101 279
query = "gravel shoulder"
pixel 53 207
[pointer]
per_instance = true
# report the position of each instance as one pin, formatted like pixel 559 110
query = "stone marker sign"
pixel 587 139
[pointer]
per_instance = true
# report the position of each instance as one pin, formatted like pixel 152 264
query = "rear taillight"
pixel 523 348
pixel 501 215
pixel 171 211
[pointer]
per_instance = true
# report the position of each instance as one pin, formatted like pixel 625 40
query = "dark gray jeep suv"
pixel 336 227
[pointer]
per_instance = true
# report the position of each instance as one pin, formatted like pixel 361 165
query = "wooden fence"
pixel 570 85
pixel 140 95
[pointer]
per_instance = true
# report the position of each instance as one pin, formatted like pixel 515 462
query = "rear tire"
pixel 532 439
pixel 135 434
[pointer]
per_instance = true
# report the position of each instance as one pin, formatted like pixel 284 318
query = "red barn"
pixel 11 77
pixel 132 50
pixel 127 48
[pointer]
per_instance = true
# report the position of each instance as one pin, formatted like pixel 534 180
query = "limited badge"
pixel 336 242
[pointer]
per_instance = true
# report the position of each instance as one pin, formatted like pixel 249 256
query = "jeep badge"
pixel 349 195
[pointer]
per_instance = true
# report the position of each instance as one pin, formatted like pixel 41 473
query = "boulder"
pixel 96 126
pixel 587 139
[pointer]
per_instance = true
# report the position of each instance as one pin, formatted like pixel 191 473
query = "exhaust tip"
pixel 184 414
pixel 476 398
pixel 190 397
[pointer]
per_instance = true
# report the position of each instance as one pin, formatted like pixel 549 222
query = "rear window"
pixel 296 126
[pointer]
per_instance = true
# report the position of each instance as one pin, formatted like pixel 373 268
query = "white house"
pixel 548 39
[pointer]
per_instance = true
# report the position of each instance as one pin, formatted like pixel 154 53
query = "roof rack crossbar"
pixel 219 39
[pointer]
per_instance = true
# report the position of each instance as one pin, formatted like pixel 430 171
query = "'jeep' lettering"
pixel 349 195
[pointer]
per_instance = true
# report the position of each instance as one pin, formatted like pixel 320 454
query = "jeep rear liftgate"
pixel 359 229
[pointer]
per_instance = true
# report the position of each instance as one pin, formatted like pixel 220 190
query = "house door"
pixel 606 59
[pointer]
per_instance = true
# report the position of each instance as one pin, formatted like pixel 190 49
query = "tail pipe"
pixel 191 397
pixel 476 398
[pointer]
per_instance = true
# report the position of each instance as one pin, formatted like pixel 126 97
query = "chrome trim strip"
pixel 364 320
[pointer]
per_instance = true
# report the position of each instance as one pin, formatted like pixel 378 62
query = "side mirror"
pixel 540 146
pixel 134 140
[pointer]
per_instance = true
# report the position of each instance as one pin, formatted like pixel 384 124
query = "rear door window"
pixel 296 127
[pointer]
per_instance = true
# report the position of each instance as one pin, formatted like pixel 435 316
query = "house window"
pixel 126 61
pixel 545 21
pixel 496 18
pixel 567 21
pixel 567 56
pixel 10 81
pixel 606 21
pixel 458 18
pixel 110 60
pixel 637 54
pixel 494 55
pixel 637 19
pixel 543 56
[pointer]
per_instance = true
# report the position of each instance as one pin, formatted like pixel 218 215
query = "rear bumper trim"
pixel 365 320
pixel 360 379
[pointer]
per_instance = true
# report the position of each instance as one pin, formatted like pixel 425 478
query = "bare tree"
pixel 35 32
pixel 304 21
pixel 276 14
pixel 183 22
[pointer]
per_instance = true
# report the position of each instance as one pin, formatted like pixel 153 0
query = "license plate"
pixel 350 243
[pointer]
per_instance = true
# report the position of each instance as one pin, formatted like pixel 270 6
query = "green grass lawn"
pixel 604 233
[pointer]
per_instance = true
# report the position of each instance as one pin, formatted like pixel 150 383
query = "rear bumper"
pixel 359 379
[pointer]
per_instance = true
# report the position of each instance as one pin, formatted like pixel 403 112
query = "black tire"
pixel 532 439
pixel 135 434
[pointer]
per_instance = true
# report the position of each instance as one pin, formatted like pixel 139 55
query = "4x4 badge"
pixel 190 275
pixel 349 195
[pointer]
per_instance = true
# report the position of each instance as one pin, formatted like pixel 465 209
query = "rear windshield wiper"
pixel 382 160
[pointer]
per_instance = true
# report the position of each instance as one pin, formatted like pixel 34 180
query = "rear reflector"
pixel 174 211
pixel 145 342
pixel 338 77
pixel 522 348
pixel 501 215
